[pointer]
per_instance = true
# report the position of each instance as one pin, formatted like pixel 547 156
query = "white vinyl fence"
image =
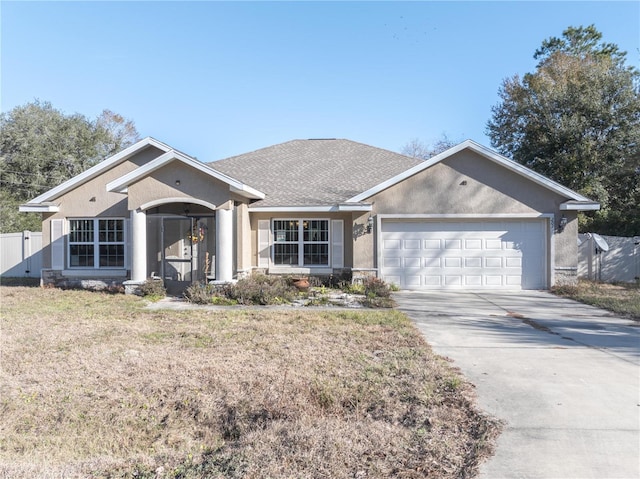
pixel 619 263
pixel 21 254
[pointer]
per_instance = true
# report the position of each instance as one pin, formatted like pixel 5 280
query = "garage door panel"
pixel 473 244
pixel 452 244
pixel 493 244
pixel 431 262
pixel 411 244
pixel 471 254
pixel 431 280
pixel 493 262
pixel 493 280
pixel 432 244
pixel 392 244
pixel 473 280
pixel 392 262
pixel 473 262
pixel 412 262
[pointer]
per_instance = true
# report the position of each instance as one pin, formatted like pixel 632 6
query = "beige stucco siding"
pixel 193 184
pixel 490 188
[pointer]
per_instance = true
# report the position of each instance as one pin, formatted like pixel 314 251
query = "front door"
pixel 177 254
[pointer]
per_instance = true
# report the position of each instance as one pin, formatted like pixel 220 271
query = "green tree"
pixel 40 147
pixel 576 119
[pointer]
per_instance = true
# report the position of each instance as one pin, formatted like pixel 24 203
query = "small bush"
pixel 152 289
pixel 199 293
pixel 263 290
pixel 376 288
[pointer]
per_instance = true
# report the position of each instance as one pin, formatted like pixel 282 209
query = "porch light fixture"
pixel 370 224
pixel 562 223
pixel 177 182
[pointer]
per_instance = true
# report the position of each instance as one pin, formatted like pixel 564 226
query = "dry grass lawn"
pixel 619 298
pixel 94 385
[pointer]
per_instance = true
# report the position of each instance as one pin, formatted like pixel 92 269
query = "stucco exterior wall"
pixel 469 184
pixel 193 184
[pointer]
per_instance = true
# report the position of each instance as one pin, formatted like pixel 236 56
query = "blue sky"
pixel 215 79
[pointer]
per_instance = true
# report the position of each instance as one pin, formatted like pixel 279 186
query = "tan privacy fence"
pixel 21 254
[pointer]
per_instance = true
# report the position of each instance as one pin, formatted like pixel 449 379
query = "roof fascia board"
pixel 38 208
pixel 481 150
pixel 310 209
pixel 95 170
pixel 120 184
pixel 580 206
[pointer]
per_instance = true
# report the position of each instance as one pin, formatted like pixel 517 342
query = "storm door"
pixel 177 254
pixel 187 251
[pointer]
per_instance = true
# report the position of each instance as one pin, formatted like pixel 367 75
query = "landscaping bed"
pixel 96 385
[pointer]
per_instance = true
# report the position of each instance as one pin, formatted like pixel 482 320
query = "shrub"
pixel 152 289
pixel 262 289
pixel 376 288
pixel 199 293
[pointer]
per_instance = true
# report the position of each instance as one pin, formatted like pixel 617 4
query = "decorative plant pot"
pixel 302 284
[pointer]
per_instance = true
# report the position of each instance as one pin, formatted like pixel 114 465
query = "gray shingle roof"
pixel 314 172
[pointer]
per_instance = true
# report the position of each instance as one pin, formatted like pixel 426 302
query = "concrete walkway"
pixel 564 377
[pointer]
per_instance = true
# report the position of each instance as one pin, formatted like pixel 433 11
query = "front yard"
pixel 95 385
pixel 623 298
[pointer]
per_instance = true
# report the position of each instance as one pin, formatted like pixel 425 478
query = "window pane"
pixel 81 255
pixel 111 231
pixel 285 230
pixel 285 253
pixel 81 231
pixel 112 255
pixel 315 230
pixel 315 254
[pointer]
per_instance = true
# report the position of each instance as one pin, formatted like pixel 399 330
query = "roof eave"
pixel 339 208
pixel 121 184
pixel 39 208
pixel 99 168
pixel 580 206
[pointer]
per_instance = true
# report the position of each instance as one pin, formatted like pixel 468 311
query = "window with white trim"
pixel 301 242
pixel 96 243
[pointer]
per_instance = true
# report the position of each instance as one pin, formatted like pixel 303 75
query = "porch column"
pixel 139 248
pixel 224 243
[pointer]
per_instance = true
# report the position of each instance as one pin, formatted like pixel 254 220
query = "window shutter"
pixel 264 252
pixel 337 243
pixel 127 243
pixel 57 244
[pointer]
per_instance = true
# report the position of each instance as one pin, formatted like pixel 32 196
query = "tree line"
pixel 40 147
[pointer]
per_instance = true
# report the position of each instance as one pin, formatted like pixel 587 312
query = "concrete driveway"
pixel 563 376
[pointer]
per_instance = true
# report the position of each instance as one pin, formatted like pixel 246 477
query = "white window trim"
pixel 96 244
pixel 300 267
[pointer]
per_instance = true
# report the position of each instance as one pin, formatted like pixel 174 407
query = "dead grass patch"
pixel 93 385
pixel 622 298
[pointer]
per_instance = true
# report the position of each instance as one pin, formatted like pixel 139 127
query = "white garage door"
pixel 464 255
